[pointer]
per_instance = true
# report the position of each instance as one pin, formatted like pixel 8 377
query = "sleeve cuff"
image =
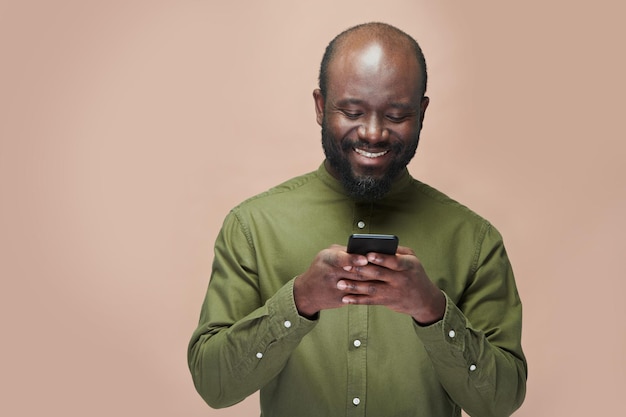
pixel 448 333
pixel 285 320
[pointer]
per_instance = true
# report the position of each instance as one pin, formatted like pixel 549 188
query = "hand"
pixel 396 281
pixel 316 289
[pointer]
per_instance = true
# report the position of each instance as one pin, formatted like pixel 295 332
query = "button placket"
pixel 361 217
pixel 357 358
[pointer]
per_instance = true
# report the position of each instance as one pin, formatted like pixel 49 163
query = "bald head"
pixel 371 41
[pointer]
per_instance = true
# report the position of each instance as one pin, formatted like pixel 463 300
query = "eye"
pixel 352 114
pixel 396 118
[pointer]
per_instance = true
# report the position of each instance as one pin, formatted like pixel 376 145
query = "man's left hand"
pixel 397 281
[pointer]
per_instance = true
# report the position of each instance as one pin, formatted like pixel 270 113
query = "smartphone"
pixel 366 243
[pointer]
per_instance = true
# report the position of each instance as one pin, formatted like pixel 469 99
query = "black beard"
pixel 364 187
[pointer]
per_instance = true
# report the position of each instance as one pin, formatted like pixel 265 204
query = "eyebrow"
pixel 359 102
pixel 402 106
pixel 349 101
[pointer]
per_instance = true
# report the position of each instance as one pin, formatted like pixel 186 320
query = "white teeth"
pixel 370 154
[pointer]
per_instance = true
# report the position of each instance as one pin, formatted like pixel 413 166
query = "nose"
pixel 373 130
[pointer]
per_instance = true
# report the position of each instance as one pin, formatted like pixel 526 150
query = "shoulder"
pixel 443 213
pixel 432 198
pixel 287 193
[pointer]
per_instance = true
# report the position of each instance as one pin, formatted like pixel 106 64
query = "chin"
pixel 366 187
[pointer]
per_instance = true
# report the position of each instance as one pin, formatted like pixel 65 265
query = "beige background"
pixel 129 128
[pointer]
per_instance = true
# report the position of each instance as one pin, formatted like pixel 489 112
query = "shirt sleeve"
pixel 241 343
pixel 476 348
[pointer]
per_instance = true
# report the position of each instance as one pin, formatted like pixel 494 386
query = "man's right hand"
pixel 316 289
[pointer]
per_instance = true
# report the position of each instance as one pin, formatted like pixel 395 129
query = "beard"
pixel 366 187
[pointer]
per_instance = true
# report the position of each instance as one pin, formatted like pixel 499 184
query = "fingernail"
pixel 341 285
pixel 362 261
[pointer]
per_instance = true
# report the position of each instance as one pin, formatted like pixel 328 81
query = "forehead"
pixel 374 68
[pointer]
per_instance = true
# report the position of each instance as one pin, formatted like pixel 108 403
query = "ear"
pixel 423 106
pixel 319 105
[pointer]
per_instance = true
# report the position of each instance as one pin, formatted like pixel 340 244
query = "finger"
pixel 357 299
pixel 403 260
pixel 369 288
pixel 389 262
pixel 362 299
pixel 338 257
pixel 367 272
pixel 351 260
pixel 403 250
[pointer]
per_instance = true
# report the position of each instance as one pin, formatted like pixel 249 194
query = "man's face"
pixel 371 116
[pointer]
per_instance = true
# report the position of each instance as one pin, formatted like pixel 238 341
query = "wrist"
pixel 302 303
pixel 433 312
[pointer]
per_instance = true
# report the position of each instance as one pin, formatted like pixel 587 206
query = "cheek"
pixel 341 127
pixel 408 133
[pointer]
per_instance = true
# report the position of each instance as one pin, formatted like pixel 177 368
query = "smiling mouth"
pixel 370 154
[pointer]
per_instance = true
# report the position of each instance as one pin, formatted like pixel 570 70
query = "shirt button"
pixel 452 333
pixel 259 355
pixel 287 324
pixel 360 224
pixel 356 343
pixel 472 367
pixel 356 401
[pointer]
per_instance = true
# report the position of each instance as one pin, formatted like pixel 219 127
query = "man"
pixel 322 332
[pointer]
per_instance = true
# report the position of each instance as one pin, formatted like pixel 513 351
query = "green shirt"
pixel 358 360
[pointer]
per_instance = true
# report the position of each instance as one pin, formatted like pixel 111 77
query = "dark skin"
pixel 374 98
